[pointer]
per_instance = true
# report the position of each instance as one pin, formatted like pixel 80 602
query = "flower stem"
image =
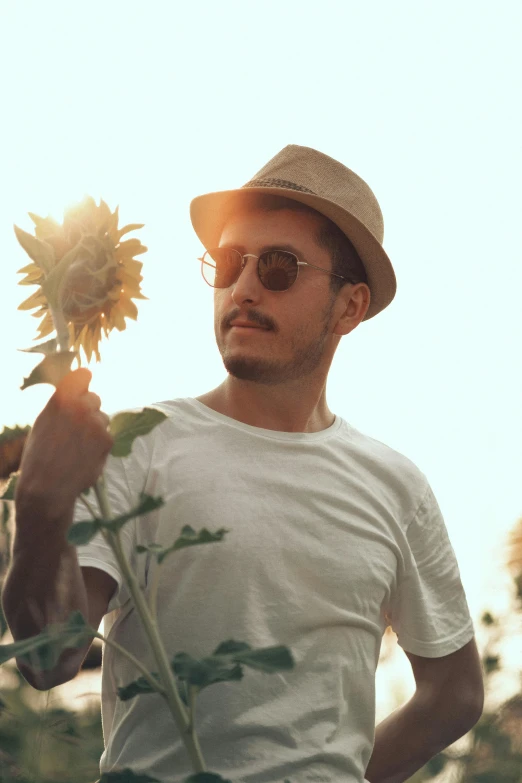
pixel 154 684
pixel 153 599
pixel 167 678
pixel 62 330
pixel 88 506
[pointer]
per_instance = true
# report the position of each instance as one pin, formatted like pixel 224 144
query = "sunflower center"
pixel 92 282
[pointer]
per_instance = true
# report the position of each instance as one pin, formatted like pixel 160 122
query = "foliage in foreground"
pixel 494 745
pixel 48 745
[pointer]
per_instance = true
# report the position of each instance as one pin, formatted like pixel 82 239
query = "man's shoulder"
pixel 387 462
pixel 178 409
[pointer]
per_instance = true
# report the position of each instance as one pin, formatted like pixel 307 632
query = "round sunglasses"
pixel 277 269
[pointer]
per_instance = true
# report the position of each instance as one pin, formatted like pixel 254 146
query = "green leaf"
pixel 137 688
pixel 183 691
pixel 147 503
pixel 141 686
pixel 226 663
pixel 50 346
pixel 206 777
pixel 9 491
pixel 51 369
pixel 39 251
pixel 43 651
pixel 82 532
pixel 9 434
pixel 127 426
pixel 5 515
pixel 188 537
pixel 267 659
pixel 206 671
pixel 230 647
pixel 127 776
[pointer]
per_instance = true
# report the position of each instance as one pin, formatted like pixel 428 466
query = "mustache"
pixel 250 315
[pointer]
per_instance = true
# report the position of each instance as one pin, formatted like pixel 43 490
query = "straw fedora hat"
pixel 306 175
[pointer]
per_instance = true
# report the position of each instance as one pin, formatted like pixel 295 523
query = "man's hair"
pixel 345 260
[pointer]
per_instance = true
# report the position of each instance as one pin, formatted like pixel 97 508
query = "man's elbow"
pixel 469 714
pixel 476 712
pixel 475 704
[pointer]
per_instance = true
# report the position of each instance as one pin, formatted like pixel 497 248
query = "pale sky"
pixel 150 104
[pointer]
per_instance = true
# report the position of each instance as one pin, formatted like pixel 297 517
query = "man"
pixel 333 535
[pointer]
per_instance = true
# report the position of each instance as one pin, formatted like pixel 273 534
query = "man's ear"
pixel 353 301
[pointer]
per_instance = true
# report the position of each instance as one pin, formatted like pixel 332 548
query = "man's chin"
pixel 253 370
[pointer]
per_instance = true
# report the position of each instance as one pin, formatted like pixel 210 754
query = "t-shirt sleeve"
pixel 429 611
pixel 97 553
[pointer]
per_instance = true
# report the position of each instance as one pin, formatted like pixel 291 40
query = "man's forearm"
pixel 408 738
pixel 43 585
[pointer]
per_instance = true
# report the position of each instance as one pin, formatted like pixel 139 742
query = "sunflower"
pixel 87 276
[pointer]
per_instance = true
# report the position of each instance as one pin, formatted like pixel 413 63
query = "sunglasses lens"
pixel 277 269
pixel 221 266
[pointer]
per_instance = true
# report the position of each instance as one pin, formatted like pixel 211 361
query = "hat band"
pixel 278 183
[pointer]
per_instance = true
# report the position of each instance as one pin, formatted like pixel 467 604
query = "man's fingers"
pixel 91 401
pixel 105 418
pixel 74 384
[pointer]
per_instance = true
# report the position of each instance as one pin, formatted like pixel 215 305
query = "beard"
pixel 306 357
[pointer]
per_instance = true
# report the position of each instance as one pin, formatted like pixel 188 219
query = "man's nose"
pixel 248 286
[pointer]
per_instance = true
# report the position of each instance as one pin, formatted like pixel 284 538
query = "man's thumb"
pixel 74 384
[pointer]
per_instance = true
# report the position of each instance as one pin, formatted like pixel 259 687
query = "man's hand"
pixel 66 449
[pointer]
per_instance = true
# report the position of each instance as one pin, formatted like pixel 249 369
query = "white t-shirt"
pixel 333 536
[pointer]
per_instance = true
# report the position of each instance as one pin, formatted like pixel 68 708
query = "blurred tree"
pixel 493 747
pixel 46 744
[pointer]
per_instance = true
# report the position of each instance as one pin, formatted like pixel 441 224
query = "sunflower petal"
pixel 113 225
pixel 26 270
pixel 37 220
pixel 129 227
pixel 128 307
pixel 44 227
pixel 104 213
pixel 35 300
pixel 46 327
pixel 117 318
pixel 86 342
pixel 133 267
pixel 131 287
pixel 131 247
pixel 41 252
pixel 97 333
pixel 33 279
pixel 132 291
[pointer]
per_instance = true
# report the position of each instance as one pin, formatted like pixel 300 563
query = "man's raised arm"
pixel 64 455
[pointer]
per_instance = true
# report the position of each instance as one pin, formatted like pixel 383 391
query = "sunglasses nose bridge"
pixel 244 258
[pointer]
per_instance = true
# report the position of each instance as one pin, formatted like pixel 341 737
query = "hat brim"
pixel 210 212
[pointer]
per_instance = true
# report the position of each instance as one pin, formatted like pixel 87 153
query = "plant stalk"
pixel 156 686
pixel 62 330
pixel 172 696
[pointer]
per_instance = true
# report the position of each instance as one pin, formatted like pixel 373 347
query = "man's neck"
pixel 288 408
